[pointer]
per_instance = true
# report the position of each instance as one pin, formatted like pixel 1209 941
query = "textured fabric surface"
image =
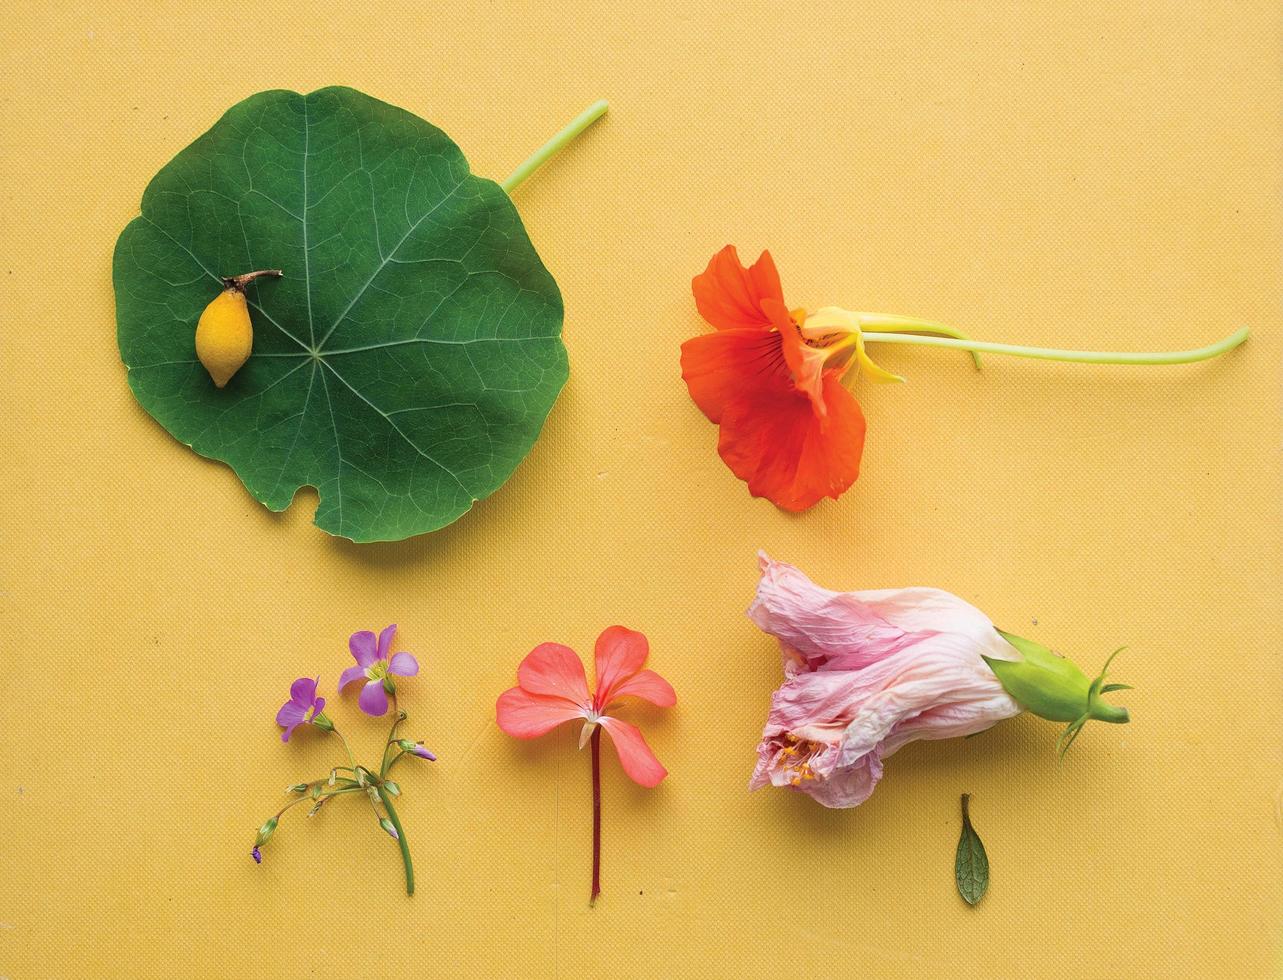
pixel 1060 173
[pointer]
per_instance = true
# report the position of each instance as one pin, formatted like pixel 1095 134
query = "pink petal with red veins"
pixel 525 715
pixel 619 655
pixel 553 670
pixel 648 686
pixel 635 756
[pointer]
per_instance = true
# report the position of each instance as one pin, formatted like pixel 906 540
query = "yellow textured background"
pixel 1055 173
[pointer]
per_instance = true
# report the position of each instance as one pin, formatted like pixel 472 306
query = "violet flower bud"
pixel 416 748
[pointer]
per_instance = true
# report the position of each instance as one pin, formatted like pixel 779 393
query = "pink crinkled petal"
pixel 873 671
pixel 850 630
pixel 818 624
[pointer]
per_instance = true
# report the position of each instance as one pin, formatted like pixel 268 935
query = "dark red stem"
pixel 596 814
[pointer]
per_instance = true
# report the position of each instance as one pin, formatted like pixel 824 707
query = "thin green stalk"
pixel 343 738
pixel 554 145
pixel 398 716
pixel 386 797
pixel 309 798
pixel 1079 356
pixel 907 324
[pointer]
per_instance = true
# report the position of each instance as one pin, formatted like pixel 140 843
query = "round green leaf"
pixel 407 360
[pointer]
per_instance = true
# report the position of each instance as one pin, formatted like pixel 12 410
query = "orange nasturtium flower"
pixel 771 378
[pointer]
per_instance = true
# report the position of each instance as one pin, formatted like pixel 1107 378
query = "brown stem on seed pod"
pixel 240 282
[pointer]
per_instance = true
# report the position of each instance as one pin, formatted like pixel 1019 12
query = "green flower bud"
pixel 297 788
pixel 1053 687
pixel 391 787
pixel 405 745
pixel 265 832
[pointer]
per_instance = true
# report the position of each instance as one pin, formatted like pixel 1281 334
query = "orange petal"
pixel 553 670
pixel 525 715
pixel 804 361
pixel 635 756
pixel 721 366
pixel 773 440
pixel 730 296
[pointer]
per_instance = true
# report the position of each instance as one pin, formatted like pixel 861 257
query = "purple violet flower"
pixel 302 708
pixel 257 855
pixel 373 663
pixel 423 753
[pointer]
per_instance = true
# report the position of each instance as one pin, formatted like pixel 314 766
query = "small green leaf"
pixel 971 867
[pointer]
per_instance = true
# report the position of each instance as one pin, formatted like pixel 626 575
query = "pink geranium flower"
pixel 373 663
pixel 866 673
pixel 552 689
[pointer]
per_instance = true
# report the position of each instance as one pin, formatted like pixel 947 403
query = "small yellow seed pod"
pixel 224 334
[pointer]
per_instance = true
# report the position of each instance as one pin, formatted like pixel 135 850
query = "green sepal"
pixel 323 723
pixel 265 832
pixel 1042 683
pixel 1053 687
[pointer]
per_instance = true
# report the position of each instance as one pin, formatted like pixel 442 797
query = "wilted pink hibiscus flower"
pixel 552 689
pixel 868 672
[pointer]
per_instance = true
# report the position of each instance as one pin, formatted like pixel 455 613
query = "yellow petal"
pixel 875 373
pixel 833 319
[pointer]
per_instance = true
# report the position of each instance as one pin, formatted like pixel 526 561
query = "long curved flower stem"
pixel 596 814
pixel 556 144
pixel 386 798
pixel 907 324
pixel 1079 356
